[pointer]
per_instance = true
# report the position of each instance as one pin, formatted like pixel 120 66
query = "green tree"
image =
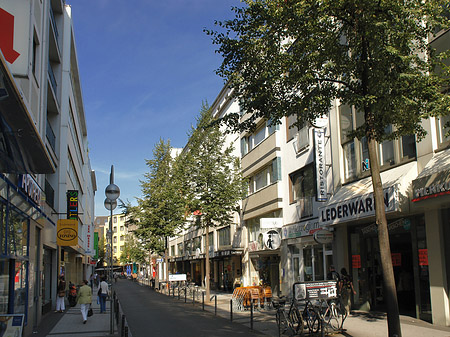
pixel 160 211
pixel 213 182
pixel 133 251
pixel 294 57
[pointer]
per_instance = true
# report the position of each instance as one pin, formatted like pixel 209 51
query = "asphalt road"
pixel 152 314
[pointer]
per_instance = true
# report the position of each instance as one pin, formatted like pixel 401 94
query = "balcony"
pixel 260 156
pixel 265 200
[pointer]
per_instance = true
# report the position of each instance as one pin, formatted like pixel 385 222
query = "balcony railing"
pixel 51 74
pixel 50 136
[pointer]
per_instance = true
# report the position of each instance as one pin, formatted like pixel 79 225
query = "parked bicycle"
pixel 332 314
pixel 289 322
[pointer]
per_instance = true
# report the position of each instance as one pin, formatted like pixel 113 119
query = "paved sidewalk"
pixel 70 323
pixel 358 324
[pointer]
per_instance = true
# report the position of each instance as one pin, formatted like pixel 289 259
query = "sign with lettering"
pixel 321 172
pixel 396 259
pixel 300 229
pixel 423 257
pixel 15 34
pixel 323 236
pixel 269 223
pixel 356 208
pixel 72 204
pixel 315 290
pixel 431 186
pixel 30 187
pixel 89 249
pixel 356 261
pixel 67 232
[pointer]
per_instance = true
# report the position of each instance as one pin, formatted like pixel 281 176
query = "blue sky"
pixel 146 66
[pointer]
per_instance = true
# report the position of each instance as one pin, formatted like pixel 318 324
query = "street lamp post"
pixel 112 193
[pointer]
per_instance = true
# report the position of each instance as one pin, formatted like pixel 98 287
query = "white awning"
pixel 355 200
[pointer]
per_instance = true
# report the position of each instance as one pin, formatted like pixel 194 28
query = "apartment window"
pixel 224 236
pixel 115 239
pixel 301 133
pixel 115 250
pixel 443 130
pixel 122 248
pixel 115 229
pixel 180 248
pixel 172 250
pixel 122 228
pixel 211 238
pixel 266 176
pixel 197 243
pixel 35 57
pixel 122 238
pixel 356 151
pixel 251 141
pixel 115 219
pixel 303 189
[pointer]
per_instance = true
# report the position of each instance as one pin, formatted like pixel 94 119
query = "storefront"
pixel 431 198
pixel 304 257
pixel 226 269
pixel 21 220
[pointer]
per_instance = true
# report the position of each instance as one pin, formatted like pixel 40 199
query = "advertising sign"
pixel 67 232
pixel 15 34
pixel 272 239
pixel 356 261
pixel 11 325
pixel 323 236
pixel 177 277
pixel 270 223
pixel 89 240
pixel 72 204
pixel 356 208
pixel 321 172
pixel 423 257
pixel 315 290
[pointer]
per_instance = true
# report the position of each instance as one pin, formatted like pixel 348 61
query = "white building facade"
pixel 45 167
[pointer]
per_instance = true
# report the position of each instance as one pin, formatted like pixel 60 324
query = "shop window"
pixel 20 287
pixel 303 190
pixel 18 235
pixel 4 285
pixel 224 236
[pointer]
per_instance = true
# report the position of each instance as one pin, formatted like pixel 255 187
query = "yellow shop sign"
pixel 67 232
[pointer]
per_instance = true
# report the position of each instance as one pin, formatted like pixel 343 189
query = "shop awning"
pixel 21 147
pixel 356 196
pixel 434 180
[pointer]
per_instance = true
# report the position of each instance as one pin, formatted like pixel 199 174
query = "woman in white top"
pixel 103 291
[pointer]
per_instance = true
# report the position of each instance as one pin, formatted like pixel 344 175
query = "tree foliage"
pixel 290 57
pixel 160 210
pixel 133 251
pixel 213 185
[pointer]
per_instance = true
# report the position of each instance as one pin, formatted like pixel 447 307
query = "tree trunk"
pixel 207 271
pixel 166 261
pixel 390 295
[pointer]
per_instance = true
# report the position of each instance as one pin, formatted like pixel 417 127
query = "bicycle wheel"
pixel 281 323
pixel 296 321
pixel 312 319
pixel 332 317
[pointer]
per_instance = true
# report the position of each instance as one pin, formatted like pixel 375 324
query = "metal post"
pixel 185 296
pixel 215 305
pixel 251 315
pixel 111 322
pixel 193 297
pixel 203 301
pixel 122 330
pixel 231 310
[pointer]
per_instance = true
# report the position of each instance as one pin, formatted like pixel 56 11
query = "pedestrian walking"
pixel 84 298
pixel 103 291
pixel 91 281
pixel 347 287
pixel 60 306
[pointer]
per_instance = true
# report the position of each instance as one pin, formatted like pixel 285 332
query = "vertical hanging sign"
pixel 72 204
pixel 319 156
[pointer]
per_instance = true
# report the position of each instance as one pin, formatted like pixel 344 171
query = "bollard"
pixel 251 316
pixel 185 292
pixel 178 293
pixel 169 291
pixel 203 301
pixel 122 326
pixel 215 305
pixel 126 331
pixel 231 310
pixel 193 297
